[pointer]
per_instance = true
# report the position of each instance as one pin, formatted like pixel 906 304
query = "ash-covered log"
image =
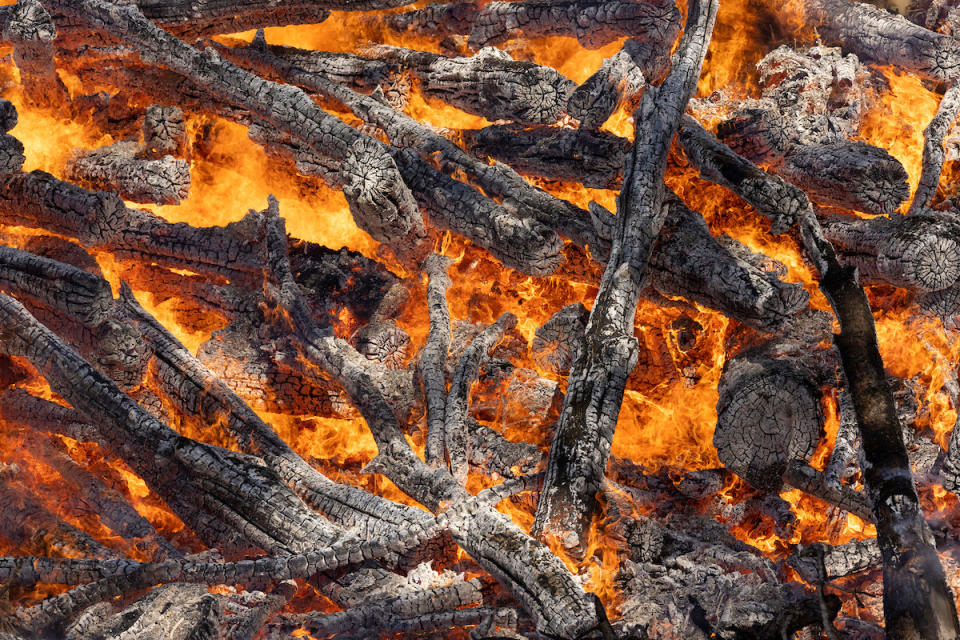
pixel 490 83
pixel 920 252
pixel 117 167
pixel 584 433
pixel 29 28
pixel 164 131
pixel 846 173
pixel 618 82
pixel 878 36
pixel 592 158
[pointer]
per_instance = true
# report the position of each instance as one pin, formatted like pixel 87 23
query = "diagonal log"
pixel 933 152
pixel 916 599
pixel 403 131
pixel 584 433
pixel 29 28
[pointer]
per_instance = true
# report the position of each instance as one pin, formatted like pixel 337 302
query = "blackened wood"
pixel 31 31
pixel 117 167
pixel 846 173
pixel 618 82
pixel 882 37
pixel 584 433
pixel 592 158
pixel 434 355
pixel 489 84
pixel 164 131
pixel 933 152
pixel 920 252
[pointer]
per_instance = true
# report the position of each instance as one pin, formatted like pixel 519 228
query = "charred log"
pixel 598 377
pixel 118 168
pixel 845 173
pixel 489 84
pixel 31 31
pixel 919 252
pixel 164 131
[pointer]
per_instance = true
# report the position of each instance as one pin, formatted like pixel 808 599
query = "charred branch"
pixel 118 168
pixel 933 151
pixel 31 31
pixel 845 173
pixel 584 433
pixel 433 356
pixel 164 131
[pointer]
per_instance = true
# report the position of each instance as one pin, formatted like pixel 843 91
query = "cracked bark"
pixel 118 168
pixel 433 356
pixel 581 443
pixel 164 131
pixel 846 173
pixel 933 152
pixel 920 252
pixel 489 84
pixel 31 31
pixel 878 36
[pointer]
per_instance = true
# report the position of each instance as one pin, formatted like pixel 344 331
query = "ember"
pixel 531 319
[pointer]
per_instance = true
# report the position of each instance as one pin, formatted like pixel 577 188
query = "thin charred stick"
pixel 801 475
pixel 843 458
pixel 619 81
pixel 597 380
pixel 920 252
pixel 433 356
pixel 456 439
pixel 593 23
pixel 489 84
pixel 31 31
pixel 526 568
pixel 118 167
pixel 878 36
pixel 933 152
pixel 403 131
pixel 837 171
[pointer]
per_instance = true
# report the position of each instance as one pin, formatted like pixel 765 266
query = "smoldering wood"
pixel 118 168
pixel 521 243
pixel 456 439
pixel 497 180
pixel 878 36
pixel 490 83
pixel 768 414
pixel 11 154
pixel 433 356
pixel 247 624
pixel 618 82
pixel 164 131
pixel 592 158
pixel 843 459
pixel 557 340
pixel 933 151
pixel 801 475
pixel 526 568
pixel 8 115
pixel 30 29
pixel 598 377
pixel 491 453
pixel 918 252
pixel 845 173
pixel 840 560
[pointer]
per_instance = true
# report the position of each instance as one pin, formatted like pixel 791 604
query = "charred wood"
pixel 433 356
pixel 839 560
pixel 919 252
pixel 878 36
pixel 584 433
pixel 592 158
pixel 846 173
pixel 557 340
pixel 31 31
pixel 489 84
pixel 164 131
pixel 118 168
pixel 933 151
pixel 618 82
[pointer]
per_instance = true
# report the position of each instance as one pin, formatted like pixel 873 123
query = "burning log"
pixel 919 252
pixel 403 131
pixel 558 339
pixel 117 167
pixel 31 31
pixel 618 82
pixel 592 158
pixel 838 560
pixel 434 356
pixel 846 173
pixel 584 432
pixel 916 599
pixel 768 414
pixel 489 84
pixel 933 151
pixel 878 36
pixel 593 23
pixel 164 131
